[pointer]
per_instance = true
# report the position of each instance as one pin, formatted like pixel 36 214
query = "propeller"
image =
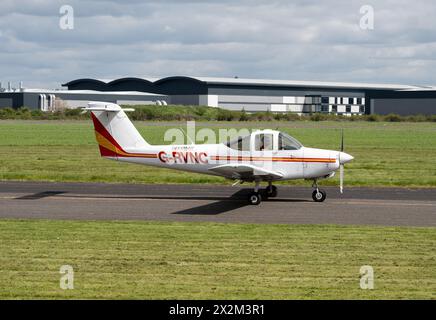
pixel 341 165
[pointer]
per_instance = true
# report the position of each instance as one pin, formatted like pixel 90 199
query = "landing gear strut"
pixel 318 195
pixel 271 190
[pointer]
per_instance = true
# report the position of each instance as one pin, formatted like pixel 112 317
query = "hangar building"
pixel 277 95
pixel 48 100
pixel 235 94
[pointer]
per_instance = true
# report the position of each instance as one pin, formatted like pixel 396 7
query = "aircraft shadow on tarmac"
pixel 222 204
pixel 226 204
pixel 40 195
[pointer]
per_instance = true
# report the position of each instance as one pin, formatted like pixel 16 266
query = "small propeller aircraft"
pixel 262 156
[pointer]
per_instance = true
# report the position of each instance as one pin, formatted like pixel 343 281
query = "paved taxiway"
pixel 94 201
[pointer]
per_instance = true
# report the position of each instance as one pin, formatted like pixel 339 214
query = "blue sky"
pixel 295 40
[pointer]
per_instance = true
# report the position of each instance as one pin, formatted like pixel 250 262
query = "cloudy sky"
pixel 295 40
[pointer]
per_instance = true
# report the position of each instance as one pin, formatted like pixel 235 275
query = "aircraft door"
pixel 264 149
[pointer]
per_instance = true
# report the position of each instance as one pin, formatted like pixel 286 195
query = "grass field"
pixel 386 154
pixel 213 261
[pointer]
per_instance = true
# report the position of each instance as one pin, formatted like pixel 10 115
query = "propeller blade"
pixel 342 140
pixel 341 178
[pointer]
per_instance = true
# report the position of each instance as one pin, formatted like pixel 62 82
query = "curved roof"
pixel 178 78
pixel 182 84
pixel 73 82
pixel 128 79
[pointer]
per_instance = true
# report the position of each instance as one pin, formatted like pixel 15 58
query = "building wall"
pixel 247 91
pixel 6 103
pixel 279 99
pixel 403 106
pixel 74 100
pixel 185 99
pixel 11 100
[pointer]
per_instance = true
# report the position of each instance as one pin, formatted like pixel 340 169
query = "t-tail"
pixel 115 133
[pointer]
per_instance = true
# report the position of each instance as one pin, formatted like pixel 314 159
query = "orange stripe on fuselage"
pixel 273 159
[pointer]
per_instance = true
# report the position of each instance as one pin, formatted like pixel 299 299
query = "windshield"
pixel 286 142
pixel 240 143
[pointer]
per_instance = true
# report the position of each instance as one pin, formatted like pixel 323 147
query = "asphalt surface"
pixel 94 201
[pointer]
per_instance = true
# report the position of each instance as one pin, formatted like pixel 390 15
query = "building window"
pixel 334 108
pixel 348 108
pixel 362 109
pixel 359 100
pixel 325 100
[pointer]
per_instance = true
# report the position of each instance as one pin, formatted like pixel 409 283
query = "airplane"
pixel 262 156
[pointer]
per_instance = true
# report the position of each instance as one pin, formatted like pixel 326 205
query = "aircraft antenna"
pixel 187 137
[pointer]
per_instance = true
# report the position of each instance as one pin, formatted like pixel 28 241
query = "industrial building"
pixel 50 100
pixel 278 95
pixel 249 94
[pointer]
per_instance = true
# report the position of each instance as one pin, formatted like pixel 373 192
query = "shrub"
pixel 373 118
pixel 392 117
pixel 204 113
pixel 225 115
pixel 431 118
pixel 243 115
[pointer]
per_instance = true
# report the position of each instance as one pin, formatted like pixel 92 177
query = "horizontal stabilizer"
pixel 104 106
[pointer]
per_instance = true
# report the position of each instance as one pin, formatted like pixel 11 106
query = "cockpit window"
pixel 240 143
pixel 263 142
pixel 286 142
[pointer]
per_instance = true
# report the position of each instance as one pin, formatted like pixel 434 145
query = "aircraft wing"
pixel 245 172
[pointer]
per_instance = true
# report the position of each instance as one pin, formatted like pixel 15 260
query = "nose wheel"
pixel 318 195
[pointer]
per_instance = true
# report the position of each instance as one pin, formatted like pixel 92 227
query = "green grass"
pixel 154 260
pixel 386 154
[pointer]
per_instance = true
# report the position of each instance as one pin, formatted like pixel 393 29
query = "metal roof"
pixel 267 82
pixel 299 83
pixel 120 93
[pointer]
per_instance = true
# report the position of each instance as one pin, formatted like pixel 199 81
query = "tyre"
pixel 319 196
pixel 271 192
pixel 255 198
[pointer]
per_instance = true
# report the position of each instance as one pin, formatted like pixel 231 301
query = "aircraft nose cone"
pixel 345 157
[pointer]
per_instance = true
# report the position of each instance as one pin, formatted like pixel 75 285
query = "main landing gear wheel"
pixel 319 195
pixel 255 198
pixel 271 191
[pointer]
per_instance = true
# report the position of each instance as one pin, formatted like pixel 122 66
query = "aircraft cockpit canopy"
pixel 264 141
pixel 286 142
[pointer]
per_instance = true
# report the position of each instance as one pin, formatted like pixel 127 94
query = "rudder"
pixel 114 132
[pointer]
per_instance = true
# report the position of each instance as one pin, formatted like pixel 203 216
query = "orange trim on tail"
pixel 109 147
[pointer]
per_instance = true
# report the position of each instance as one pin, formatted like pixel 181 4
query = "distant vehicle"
pixel 262 156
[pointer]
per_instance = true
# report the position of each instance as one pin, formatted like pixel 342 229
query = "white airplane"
pixel 262 156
